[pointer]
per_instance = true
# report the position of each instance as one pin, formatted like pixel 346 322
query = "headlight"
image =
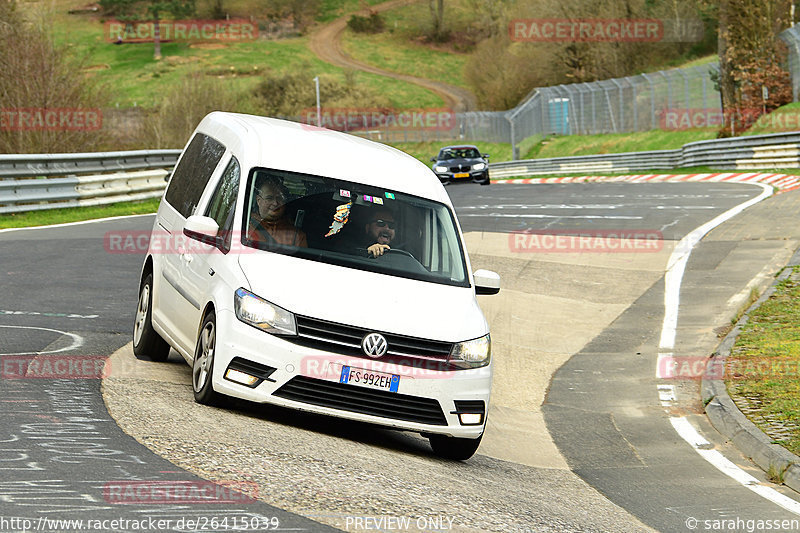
pixel 439 168
pixel 478 166
pixel 472 354
pixel 263 315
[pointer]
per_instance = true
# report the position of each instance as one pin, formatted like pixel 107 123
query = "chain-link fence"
pixel 668 99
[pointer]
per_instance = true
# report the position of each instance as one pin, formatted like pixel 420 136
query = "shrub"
pixel 374 23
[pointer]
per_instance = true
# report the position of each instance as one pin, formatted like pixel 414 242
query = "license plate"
pixel 369 379
pixel 461 175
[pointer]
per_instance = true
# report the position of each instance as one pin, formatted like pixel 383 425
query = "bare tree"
pixel 437 16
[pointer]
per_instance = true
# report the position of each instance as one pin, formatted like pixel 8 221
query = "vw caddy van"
pixel 319 271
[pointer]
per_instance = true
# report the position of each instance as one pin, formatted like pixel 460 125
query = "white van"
pixel 307 268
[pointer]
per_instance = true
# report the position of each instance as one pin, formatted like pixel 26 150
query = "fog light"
pixel 240 377
pixel 470 419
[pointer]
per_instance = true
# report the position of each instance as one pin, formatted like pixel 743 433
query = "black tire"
pixel 147 343
pixel 203 363
pixel 454 448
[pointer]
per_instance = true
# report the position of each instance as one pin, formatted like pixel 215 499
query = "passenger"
pixel 270 223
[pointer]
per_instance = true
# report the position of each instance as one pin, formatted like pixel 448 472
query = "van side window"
pixel 223 202
pixel 193 172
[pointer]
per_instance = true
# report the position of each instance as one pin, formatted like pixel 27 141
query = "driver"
pixel 380 230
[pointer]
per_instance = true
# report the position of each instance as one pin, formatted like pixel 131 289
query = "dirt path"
pixel 326 44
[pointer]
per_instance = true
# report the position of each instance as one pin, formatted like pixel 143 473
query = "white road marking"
pixel 677 264
pixel 77 341
pixel 676 267
pixel 67 224
pixel 703 447
pixel 499 215
pixel 36 313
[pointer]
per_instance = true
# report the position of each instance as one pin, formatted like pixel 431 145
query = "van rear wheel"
pixel 454 448
pixel 147 343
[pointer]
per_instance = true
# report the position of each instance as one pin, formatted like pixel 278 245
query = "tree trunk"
pixel 727 89
pixel 437 13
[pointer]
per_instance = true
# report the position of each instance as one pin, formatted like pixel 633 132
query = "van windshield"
pixel 344 223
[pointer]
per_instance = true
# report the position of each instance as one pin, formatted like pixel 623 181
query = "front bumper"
pixel 308 379
pixel 481 176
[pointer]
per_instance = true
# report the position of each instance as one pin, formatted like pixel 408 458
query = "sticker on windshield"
pixel 377 200
pixel 367 198
pixel 340 218
pixel 344 193
pixel 389 196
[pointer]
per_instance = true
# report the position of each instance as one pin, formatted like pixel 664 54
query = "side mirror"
pixel 486 156
pixel 433 160
pixel 486 282
pixel 203 229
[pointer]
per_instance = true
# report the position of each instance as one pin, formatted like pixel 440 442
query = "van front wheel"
pixel 454 448
pixel 203 363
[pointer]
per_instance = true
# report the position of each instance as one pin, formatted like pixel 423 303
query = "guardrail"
pixel 35 181
pixel 30 182
pixel 757 152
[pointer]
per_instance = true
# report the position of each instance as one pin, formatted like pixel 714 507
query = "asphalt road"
pixel 61 452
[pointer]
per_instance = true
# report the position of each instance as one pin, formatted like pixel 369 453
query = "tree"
pixel 38 77
pixel 750 55
pixel 437 15
pixel 138 10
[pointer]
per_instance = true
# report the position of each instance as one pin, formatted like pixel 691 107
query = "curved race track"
pixel 599 455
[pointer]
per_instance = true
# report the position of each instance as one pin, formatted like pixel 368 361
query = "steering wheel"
pixel 398 251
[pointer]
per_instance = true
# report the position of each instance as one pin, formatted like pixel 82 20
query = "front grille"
pixel 362 400
pixel 461 168
pixel 340 338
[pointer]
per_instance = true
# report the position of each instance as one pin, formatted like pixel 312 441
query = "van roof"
pixel 280 144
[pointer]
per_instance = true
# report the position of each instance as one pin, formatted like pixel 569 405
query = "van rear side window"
pixel 191 175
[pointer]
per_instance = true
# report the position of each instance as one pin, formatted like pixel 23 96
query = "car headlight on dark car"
pixel 440 168
pixel 262 314
pixel 472 354
pixel 479 166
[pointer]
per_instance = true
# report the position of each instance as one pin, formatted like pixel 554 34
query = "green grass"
pixel 332 9
pixel 76 214
pixel 133 77
pixel 765 362
pixel 399 50
pixel 784 119
pixel 613 143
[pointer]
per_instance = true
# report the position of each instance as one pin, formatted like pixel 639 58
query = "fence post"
pixel 652 102
pixel 621 104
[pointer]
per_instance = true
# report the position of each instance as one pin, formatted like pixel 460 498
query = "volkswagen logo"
pixel 374 345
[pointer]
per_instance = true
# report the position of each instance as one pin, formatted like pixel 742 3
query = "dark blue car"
pixel 461 163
